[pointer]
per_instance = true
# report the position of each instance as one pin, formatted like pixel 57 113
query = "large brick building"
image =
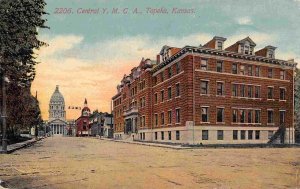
pixel 207 94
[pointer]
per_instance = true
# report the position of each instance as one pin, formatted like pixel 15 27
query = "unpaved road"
pixel 87 163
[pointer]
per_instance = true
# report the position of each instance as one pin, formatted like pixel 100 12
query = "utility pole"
pixel 4 137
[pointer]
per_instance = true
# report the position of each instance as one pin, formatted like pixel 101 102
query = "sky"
pixel 88 54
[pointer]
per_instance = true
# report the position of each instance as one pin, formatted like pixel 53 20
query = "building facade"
pixel 208 95
pixel 101 124
pixel 57 113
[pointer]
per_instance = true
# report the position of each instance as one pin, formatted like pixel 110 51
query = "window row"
pixel 169 93
pixel 242 69
pixel 162 135
pixel 160 119
pixel 168 72
pixel 241 115
pixel 251 134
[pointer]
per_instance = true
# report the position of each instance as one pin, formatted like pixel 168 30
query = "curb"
pixel 13 147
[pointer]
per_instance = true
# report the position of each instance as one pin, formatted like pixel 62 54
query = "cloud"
pixel 244 21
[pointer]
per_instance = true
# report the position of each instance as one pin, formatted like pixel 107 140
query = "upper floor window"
pixel 155 80
pixel 247 49
pixel 242 91
pixel 169 72
pixel 169 116
pixel 257 91
pixel 220 88
pixel 270 72
pixel 155 98
pixel 169 93
pixel 219 66
pixel 250 91
pixel 204 64
pixel 220 115
pixel 234 68
pixel 257 71
pixel 257 116
pixel 162 118
pixel 156 119
pixel 282 74
pixel 234 90
pixel 162 76
pixel 177 89
pixel 162 95
pixel 204 114
pixel 234 116
pixel 270 116
pixel 204 87
pixel 270 54
pixel 177 67
pixel 282 94
pixel 270 92
pixel 250 70
pixel 242 116
pixel 177 115
pixel 242 70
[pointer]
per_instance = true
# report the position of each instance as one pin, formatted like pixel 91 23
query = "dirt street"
pixel 87 163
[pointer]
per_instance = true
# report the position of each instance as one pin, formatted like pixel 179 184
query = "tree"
pixel 19 22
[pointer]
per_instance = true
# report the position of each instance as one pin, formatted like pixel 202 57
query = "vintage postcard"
pixel 99 94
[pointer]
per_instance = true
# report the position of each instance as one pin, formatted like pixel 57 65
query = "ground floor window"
pixel 270 134
pixel 155 135
pixel 177 135
pixel 243 135
pixel 170 135
pixel 235 135
pixel 204 134
pixel 141 136
pixel 162 135
pixel 257 135
pixel 144 136
pixel 250 135
pixel 220 135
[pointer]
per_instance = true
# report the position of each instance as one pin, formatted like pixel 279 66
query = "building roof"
pixel 57 96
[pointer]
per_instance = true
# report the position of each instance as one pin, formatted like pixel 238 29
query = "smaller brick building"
pixel 82 123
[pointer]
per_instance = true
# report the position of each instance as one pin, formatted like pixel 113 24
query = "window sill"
pixel 271 124
pixel 177 96
pixel 205 122
pixel 204 94
pixel 220 122
pixel 177 123
pixel 282 100
pixel 271 99
pixel 223 96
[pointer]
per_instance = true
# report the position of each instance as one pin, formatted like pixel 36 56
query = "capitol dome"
pixel 57 97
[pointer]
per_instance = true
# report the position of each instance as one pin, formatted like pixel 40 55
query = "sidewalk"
pixel 13 147
pixel 172 146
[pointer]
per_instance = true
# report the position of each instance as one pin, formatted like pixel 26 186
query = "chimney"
pixel 158 59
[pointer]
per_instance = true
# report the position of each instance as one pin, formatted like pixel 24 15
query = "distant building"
pixel 208 94
pixel 101 124
pixel 82 123
pixel 57 113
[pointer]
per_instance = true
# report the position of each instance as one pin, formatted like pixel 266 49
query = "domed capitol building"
pixel 57 113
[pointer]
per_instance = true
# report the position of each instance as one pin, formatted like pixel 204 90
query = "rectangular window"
pixel 170 135
pixel 219 66
pixel 177 115
pixel 250 71
pixel 257 135
pixel 250 135
pixel 177 67
pixel 282 74
pixel 177 89
pixel 162 135
pixel 155 98
pixel 220 134
pixel 250 91
pixel 242 91
pixel 162 118
pixel 282 93
pixel 144 121
pixel 169 93
pixel 257 71
pixel 155 80
pixel 220 115
pixel 247 48
pixel 234 68
pixel 234 116
pixel 234 90
pixel 220 45
pixel 162 77
pixel 242 116
pixel 235 134
pixel 162 94
pixel 270 134
pixel 204 114
pixel 250 115
pixel 156 119
pixel 204 87
pixel 270 72
pixel 281 117
pixel 169 117
pixel 204 134
pixel 169 72
pixel 220 88
pixel 270 116
pixel 257 116
pixel 242 70
pixel 243 135
pixel 204 64
pixel 257 91
pixel 177 135
pixel 155 135
pixel 270 92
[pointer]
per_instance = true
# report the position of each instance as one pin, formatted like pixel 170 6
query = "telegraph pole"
pixel 4 137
